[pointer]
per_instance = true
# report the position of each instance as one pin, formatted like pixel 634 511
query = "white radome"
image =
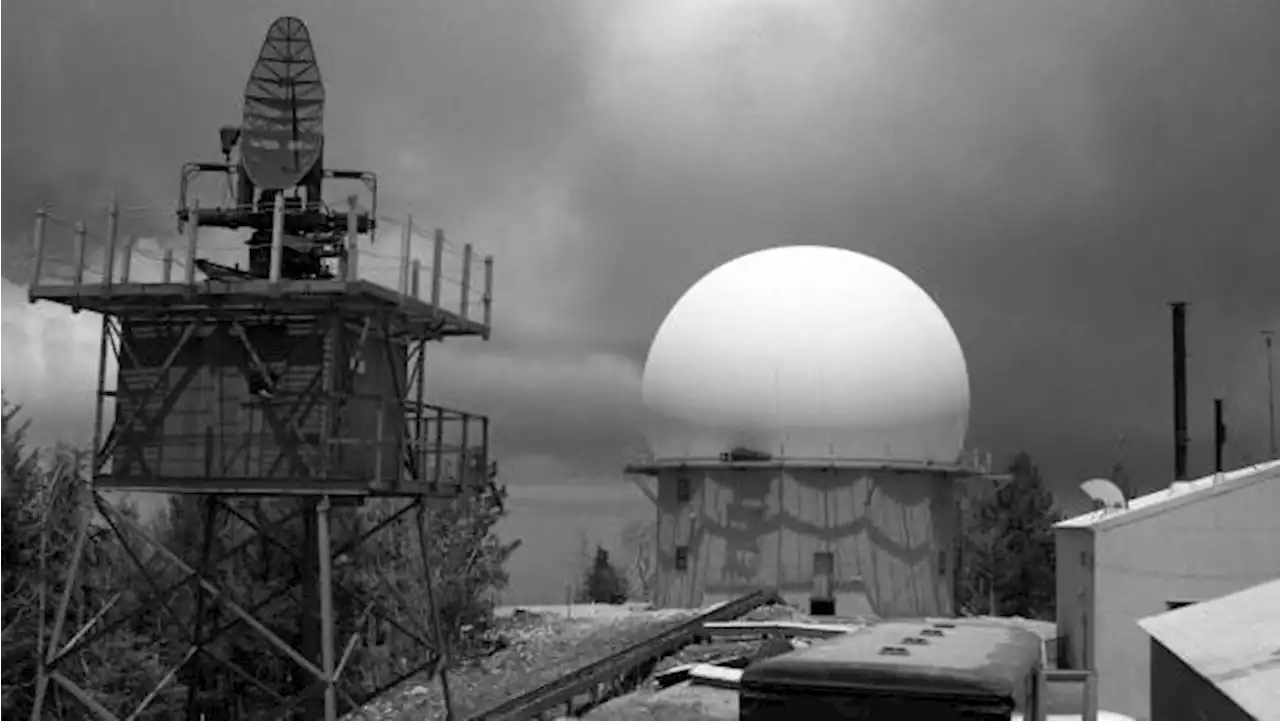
pixel 807 352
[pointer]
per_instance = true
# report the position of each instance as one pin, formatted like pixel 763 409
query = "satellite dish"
pixel 1104 493
pixel 283 128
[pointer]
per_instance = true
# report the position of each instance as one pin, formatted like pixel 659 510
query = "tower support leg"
pixel 214 610
pixel 437 629
pixel 324 551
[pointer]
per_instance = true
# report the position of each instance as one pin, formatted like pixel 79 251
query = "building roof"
pixel 952 657
pixel 1233 641
pixel 1177 494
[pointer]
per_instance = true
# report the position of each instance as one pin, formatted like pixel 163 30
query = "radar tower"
pixel 292 378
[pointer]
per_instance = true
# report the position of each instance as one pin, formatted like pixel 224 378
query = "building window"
pixel 682 558
pixel 684 489
pixel 824 563
pixel 942 563
pixel 822 598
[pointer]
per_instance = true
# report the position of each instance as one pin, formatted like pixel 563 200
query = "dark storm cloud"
pixel 126 91
pixel 1052 173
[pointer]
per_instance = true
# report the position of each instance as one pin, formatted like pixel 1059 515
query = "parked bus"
pixel 929 669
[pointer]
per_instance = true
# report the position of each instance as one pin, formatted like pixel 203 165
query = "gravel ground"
pixel 544 647
pixel 682 702
pixel 540 652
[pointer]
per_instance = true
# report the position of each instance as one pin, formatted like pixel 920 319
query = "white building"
pixel 1193 541
pixel 808 408
pixel 1219 659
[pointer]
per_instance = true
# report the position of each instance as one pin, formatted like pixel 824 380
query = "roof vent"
pixel 943 624
pixel 915 641
pixel 894 651
pixel 931 632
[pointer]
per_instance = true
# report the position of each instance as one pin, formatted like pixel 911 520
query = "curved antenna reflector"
pixel 1104 493
pixel 283 128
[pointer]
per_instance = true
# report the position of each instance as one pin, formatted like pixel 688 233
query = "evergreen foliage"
pixel 602 583
pixel 1007 566
pixel 150 631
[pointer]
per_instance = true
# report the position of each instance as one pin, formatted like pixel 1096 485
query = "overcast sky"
pixel 1052 173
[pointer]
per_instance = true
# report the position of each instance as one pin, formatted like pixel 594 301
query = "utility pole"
pixel 1219 435
pixel 1271 395
pixel 1179 391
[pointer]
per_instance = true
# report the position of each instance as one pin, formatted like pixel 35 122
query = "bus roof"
pixel 947 658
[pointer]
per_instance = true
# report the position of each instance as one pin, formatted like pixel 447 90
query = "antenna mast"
pixel 1271 396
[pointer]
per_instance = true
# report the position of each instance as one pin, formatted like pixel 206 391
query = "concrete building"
pixel 1218 659
pixel 1193 541
pixel 808 408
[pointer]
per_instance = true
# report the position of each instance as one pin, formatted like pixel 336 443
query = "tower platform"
pixel 213 382
pixel 411 316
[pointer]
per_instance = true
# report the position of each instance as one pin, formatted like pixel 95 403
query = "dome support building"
pixel 819 458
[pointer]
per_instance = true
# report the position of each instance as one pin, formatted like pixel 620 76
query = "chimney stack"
pixel 1219 435
pixel 1179 391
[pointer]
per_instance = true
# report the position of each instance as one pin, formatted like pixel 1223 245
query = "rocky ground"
pixel 541 649
pixel 545 643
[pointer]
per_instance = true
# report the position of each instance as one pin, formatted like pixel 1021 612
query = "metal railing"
pixel 266 448
pixel 444 445
pixel 140 247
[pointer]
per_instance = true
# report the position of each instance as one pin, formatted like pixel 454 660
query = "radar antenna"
pixel 1105 494
pixel 281 154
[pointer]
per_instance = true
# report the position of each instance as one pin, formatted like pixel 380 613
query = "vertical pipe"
pixel 405 242
pixel 466 280
pixel 1219 435
pixel 1271 396
pixel 439 446
pixel 277 239
pixel 353 248
pixel 420 385
pixel 37 247
pixel 484 444
pixel 167 266
pixel 437 257
pixel 378 439
pixel 95 449
pixel 488 294
pixel 1179 391
pixel 193 241
pixel 415 278
pixel 326 608
pixel 463 454
pixel 78 252
pixel 109 254
pixel 127 264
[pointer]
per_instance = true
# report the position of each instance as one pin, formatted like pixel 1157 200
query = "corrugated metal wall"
pixel 373 370
pixel 217 427
pixel 1211 546
pixel 890 537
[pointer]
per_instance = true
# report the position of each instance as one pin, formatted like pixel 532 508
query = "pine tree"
pixel 1009 547
pixel 602 582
